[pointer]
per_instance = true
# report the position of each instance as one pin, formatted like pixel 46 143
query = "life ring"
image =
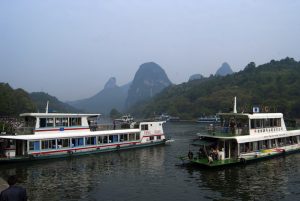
pixel 118 147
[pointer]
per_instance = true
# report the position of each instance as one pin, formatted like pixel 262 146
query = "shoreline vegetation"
pixel 274 85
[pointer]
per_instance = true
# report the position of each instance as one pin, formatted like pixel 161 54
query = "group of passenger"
pixel 212 155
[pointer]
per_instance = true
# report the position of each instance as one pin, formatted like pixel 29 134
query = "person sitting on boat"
pixel 232 126
pixel 210 159
pixel 190 155
pixel 201 153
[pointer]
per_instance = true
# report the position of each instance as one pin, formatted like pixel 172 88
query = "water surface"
pixel 151 174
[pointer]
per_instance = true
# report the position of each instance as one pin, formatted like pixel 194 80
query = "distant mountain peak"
pixel 111 83
pixel 224 70
pixel 149 80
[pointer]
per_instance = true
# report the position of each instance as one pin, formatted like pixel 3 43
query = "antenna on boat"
pixel 47 107
pixel 234 106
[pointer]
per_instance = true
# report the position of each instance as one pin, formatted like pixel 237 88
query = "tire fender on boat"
pixel 243 160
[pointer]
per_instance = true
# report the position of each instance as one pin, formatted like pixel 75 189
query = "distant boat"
pixel 171 118
pixel 209 119
pixel 125 119
pixel 162 117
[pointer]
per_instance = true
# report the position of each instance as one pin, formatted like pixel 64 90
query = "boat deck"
pixel 215 163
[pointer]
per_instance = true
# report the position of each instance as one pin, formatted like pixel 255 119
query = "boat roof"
pixel 58 115
pixel 254 115
pixel 67 135
pixel 253 138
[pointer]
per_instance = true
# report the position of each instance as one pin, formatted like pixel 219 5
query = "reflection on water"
pixel 151 174
pixel 265 180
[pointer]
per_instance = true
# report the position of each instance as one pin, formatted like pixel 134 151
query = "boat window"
pixel 34 145
pixel 152 138
pixel 61 122
pixel 49 122
pixel 265 144
pixel 42 122
pixel 272 122
pixel 258 123
pixel 273 143
pixel 48 144
pixel 252 123
pixel 280 142
pixel 144 127
pixel 123 137
pixel 255 146
pixel 131 137
pixel 278 122
pixel 158 137
pixel 77 142
pixel 90 140
pixel 294 139
pixel 266 123
pixel 137 136
pixel 74 121
pixel 289 140
pixel 102 140
pixel 105 139
pixel 113 138
pixel 62 143
pixel 58 122
pixel 242 148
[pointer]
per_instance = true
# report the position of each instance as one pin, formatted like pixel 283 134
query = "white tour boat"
pixel 243 137
pixel 54 135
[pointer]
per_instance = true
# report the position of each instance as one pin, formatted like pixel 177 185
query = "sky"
pixel 70 48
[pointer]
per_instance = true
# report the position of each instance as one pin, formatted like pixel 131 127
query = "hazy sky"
pixel 70 48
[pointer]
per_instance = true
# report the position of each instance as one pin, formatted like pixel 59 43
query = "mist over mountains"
pixel 149 80
pixel 275 83
pixel 111 96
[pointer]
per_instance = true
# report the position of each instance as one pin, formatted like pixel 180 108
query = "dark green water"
pixel 151 174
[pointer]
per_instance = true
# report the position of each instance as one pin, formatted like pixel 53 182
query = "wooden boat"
pixel 54 135
pixel 241 138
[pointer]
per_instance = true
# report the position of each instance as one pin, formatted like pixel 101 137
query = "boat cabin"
pixel 49 134
pixel 38 123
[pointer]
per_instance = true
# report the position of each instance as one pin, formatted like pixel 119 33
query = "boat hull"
pixel 230 162
pixel 71 153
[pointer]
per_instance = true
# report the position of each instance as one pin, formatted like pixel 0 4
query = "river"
pixel 154 173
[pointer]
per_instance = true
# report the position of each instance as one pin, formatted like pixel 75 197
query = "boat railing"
pixel 221 130
pixel 103 127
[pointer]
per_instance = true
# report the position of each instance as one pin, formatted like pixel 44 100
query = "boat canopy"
pixel 252 116
pixel 203 142
pixel 57 115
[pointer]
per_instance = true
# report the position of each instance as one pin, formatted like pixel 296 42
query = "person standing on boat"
pixel 13 192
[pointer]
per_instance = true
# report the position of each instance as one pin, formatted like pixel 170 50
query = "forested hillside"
pixel 275 85
pixel 40 99
pixel 14 102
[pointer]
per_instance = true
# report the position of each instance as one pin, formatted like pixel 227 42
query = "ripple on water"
pixel 151 174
